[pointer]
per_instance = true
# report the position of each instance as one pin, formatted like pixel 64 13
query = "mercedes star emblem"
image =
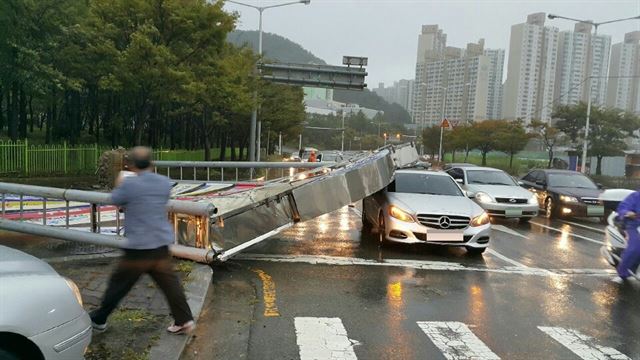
pixel 512 200
pixel 444 222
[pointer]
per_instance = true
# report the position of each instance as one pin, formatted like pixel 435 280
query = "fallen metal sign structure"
pixel 216 225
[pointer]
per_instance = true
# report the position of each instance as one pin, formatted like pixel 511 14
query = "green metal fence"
pixel 20 158
pixel 24 159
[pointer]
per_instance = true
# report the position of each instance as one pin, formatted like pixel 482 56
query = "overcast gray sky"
pixel 386 31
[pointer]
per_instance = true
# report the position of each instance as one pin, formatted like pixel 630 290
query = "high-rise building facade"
pixel 400 93
pixel 496 71
pixel 452 82
pixel 623 90
pixel 531 71
pixel 582 56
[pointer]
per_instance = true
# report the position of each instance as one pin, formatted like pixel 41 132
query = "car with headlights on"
pixel 41 313
pixel 426 207
pixel 496 192
pixel 565 193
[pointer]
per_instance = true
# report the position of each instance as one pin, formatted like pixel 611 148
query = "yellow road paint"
pixel 269 294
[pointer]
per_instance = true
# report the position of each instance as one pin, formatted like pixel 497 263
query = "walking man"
pixel 628 211
pixel 144 197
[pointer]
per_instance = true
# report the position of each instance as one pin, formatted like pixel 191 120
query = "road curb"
pixel 170 347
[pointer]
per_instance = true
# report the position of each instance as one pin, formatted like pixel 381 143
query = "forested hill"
pixel 281 49
pixel 275 47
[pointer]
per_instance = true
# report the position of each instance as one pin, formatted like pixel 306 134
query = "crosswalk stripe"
pixel 323 339
pixel 456 341
pixel 582 345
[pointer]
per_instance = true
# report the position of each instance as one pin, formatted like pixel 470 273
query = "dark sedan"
pixel 563 193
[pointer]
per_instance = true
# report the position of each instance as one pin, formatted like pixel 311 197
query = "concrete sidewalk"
pixel 137 329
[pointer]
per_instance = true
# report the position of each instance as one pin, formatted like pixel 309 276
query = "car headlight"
pixel 482 219
pixel 568 199
pixel 75 290
pixel 533 200
pixel 484 198
pixel 400 214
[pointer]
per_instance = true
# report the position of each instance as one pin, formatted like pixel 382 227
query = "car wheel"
pixel 382 231
pixel 550 209
pixel 475 251
pixel 8 355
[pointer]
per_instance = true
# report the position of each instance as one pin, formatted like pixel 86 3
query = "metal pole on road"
pixel 590 76
pixel 444 116
pixel 342 143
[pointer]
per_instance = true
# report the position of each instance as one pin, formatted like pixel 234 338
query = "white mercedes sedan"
pixel 426 207
pixel 41 313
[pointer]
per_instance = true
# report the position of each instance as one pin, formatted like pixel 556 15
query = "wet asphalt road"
pixel 541 292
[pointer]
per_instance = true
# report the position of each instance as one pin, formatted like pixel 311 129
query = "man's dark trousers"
pixel 158 264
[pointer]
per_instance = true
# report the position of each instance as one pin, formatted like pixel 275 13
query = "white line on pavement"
pixel 456 341
pixel 570 233
pixel 323 339
pixel 508 231
pixel 584 226
pixel 582 345
pixel 504 258
pixel 418 264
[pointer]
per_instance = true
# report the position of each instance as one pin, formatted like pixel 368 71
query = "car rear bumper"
pixel 67 341
pixel 415 233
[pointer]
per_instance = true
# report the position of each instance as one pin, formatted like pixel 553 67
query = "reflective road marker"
pixel 456 341
pixel 582 345
pixel 323 339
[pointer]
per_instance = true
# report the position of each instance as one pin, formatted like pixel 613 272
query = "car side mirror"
pixel 600 186
pixel 520 183
pixel 541 184
pixel 470 194
pixel 460 181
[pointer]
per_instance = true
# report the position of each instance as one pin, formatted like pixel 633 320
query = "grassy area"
pixel 522 162
pixel 130 335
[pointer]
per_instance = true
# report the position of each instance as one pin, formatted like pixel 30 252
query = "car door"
pixel 539 187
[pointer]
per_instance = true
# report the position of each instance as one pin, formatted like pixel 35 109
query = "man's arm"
pixel 121 194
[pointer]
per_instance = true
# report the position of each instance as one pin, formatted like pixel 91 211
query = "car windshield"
pixel 424 184
pixel 571 181
pixel 489 177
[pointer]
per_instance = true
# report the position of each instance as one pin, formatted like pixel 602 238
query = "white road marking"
pixel 323 339
pixel 419 265
pixel 582 345
pixel 601 231
pixel 570 233
pixel 508 231
pixel 456 341
pixel 504 258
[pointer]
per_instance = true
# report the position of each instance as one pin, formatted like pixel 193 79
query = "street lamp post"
pixel 444 114
pixel 590 77
pixel 255 123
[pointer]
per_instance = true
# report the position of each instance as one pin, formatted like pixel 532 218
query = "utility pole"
pixel 342 143
pixel 280 143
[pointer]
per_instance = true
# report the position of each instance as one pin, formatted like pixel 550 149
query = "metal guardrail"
pixel 191 167
pixel 246 218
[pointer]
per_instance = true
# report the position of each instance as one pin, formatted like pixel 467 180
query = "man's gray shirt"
pixel 144 198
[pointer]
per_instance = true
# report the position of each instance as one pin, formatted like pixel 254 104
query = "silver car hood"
pixel 501 191
pixel 435 204
pixel 14 262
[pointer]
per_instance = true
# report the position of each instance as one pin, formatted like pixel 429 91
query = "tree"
pixel 512 138
pixel 548 135
pixel 483 135
pixel 457 139
pixel 371 142
pixel 431 140
pixel 608 129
